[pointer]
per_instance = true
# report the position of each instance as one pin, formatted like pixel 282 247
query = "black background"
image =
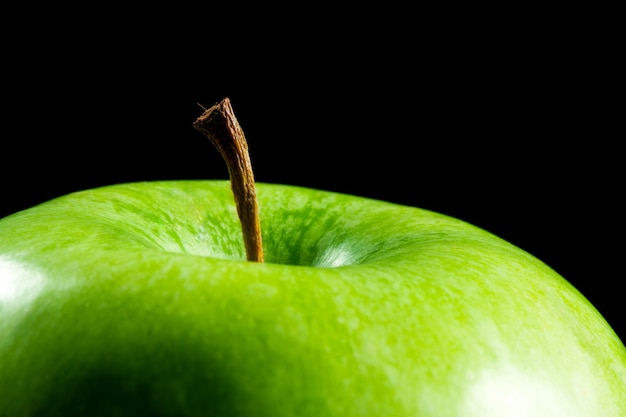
pixel 504 123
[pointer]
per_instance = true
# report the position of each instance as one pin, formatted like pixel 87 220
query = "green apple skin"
pixel 136 300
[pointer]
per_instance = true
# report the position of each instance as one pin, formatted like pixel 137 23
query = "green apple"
pixel 136 300
pixel 142 299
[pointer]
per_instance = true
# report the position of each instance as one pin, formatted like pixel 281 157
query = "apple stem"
pixel 220 125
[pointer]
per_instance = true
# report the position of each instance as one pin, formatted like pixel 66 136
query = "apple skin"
pixel 135 300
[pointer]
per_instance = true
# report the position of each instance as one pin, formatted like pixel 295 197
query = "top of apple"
pixel 357 307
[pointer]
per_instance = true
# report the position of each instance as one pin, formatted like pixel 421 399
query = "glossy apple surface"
pixel 136 300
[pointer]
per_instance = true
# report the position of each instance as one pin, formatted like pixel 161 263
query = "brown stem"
pixel 220 125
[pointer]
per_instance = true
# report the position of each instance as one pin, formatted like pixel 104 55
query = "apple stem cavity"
pixel 220 125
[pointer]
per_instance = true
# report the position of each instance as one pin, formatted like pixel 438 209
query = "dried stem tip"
pixel 220 125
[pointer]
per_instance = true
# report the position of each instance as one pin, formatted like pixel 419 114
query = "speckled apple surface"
pixel 136 300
